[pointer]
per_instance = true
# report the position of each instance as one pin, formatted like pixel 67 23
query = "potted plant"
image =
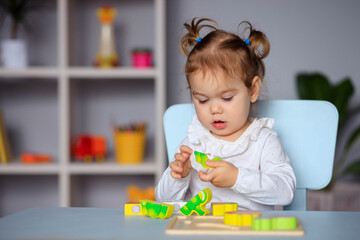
pixel 13 49
pixel 316 86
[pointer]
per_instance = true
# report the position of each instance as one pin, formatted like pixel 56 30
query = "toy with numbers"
pixel 198 161
pixel 106 56
pixel 87 148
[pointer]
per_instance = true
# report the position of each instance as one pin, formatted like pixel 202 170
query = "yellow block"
pixel 220 208
pixel 133 209
pixel 240 218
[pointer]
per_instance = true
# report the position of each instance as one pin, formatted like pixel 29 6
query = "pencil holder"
pixel 129 146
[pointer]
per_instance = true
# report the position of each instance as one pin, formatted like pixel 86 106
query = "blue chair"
pixel 307 130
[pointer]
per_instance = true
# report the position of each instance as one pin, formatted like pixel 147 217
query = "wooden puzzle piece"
pixel 156 209
pixel 240 218
pixel 220 208
pixel 133 208
pixel 197 204
pixel 198 161
pixel 275 223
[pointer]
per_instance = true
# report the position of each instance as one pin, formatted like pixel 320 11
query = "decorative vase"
pixel 14 53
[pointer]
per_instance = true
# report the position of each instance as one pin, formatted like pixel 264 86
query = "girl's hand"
pixel 223 175
pixel 181 166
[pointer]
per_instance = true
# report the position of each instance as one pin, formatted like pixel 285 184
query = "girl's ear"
pixel 255 89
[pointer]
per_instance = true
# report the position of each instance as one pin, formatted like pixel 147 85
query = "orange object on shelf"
pixel 31 158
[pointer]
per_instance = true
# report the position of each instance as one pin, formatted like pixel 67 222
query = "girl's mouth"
pixel 219 124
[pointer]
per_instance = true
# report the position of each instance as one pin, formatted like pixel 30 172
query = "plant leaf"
pixel 353 168
pixel 352 139
pixel 341 95
pixel 313 86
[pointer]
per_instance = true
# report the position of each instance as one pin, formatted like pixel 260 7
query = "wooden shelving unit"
pixel 70 78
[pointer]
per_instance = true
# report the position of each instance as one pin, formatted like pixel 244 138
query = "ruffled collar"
pixel 204 141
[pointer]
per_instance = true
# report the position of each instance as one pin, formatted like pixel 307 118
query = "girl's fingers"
pixel 176 167
pixel 215 164
pixel 206 177
pixel 179 157
pixel 175 175
pixel 185 149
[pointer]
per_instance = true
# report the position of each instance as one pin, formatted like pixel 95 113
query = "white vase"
pixel 14 53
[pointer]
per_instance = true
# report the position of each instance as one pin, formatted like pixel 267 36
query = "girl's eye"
pixel 227 99
pixel 203 101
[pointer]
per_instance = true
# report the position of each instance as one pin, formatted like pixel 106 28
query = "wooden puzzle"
pixel 214 225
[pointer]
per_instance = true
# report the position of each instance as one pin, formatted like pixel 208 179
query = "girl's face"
pixel 222 105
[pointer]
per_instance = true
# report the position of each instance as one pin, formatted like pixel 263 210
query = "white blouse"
pixel 265 177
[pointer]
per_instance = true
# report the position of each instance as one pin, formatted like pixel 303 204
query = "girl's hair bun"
pixel 189 40
pixel 259 44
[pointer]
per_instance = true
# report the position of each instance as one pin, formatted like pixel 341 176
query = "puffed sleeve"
pixel 274 182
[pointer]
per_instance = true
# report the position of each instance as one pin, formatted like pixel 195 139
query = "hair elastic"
pixel 198 40
pixel 247 41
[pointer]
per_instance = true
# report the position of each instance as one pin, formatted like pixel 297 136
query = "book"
pixel 5 152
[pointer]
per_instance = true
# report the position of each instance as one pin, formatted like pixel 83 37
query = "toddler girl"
pixel 225 73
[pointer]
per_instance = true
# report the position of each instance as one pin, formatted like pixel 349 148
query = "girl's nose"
pixel 215 108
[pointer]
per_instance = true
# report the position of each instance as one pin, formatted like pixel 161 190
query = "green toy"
pixel 197 204
pixel 202 158
pixel 156 210
pixel 274 223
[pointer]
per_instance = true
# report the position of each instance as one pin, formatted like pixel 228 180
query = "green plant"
pixel 316 86
pixel 17 10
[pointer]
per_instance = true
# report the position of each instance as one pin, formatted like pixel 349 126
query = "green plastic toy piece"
pixel 202 158
pixel 197 204
pixel 274 223
pixel 156 210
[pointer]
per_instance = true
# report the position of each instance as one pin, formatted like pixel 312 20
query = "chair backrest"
pixel 306 128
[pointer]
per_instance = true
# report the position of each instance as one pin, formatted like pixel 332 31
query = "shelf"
pixel 36 169
pixel 122 72
pixel 61 95
pixel 31 72
pixel 148 167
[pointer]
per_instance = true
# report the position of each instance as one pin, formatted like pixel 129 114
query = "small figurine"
pixel 106 56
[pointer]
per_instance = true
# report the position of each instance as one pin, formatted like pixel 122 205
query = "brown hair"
pixel 221 50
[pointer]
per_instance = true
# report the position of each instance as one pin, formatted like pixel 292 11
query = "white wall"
pixel 305 36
